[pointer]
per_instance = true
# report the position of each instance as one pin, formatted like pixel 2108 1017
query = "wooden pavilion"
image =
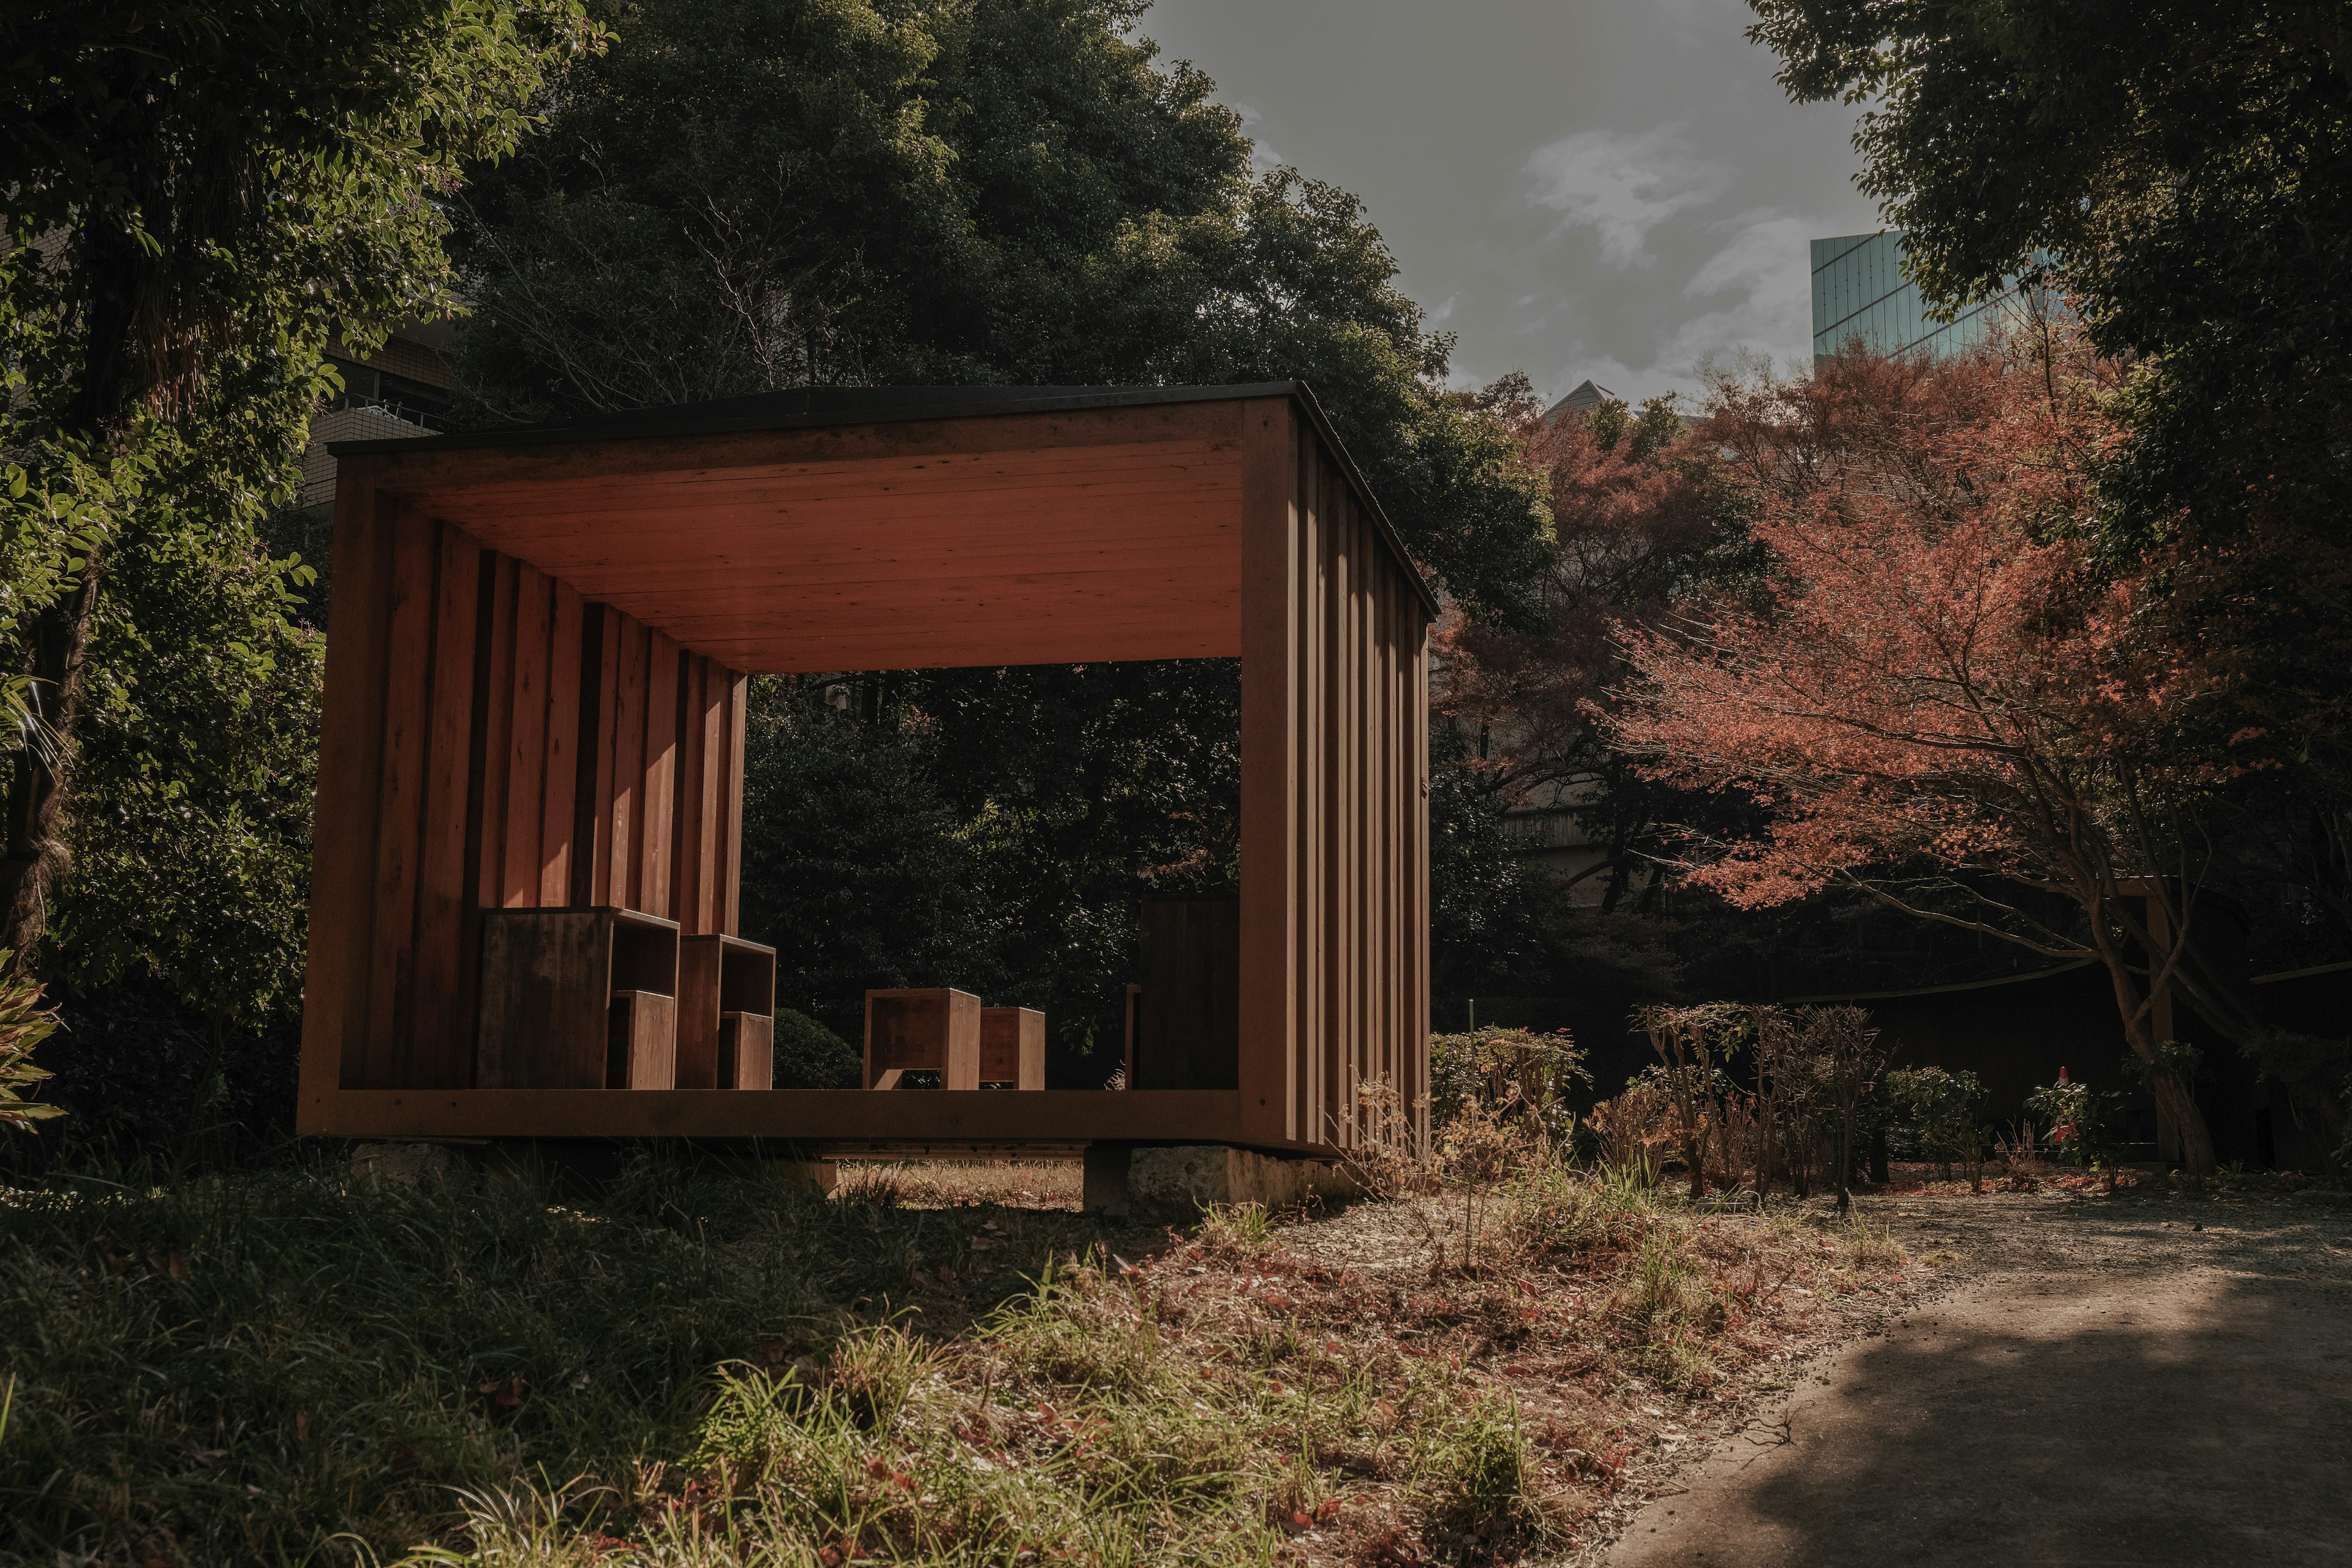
pixel 533 740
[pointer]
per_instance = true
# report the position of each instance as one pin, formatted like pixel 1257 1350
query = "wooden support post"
pixel 1269 1044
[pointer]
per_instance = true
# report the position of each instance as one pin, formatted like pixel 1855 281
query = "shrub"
pixel 24 1023
pixel 1934 1115
pixel 810 1056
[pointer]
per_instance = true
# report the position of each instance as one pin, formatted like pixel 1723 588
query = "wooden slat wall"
pixel 493 742
pixel 1335 842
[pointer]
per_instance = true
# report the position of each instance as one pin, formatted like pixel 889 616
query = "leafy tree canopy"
pixel 2186 165
pixel 746 194
pixel 198 198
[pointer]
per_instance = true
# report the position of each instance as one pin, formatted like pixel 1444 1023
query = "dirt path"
pixel 2164 1380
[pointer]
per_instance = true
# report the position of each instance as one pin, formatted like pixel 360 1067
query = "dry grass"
pixel 713 1373
pixel 965 1184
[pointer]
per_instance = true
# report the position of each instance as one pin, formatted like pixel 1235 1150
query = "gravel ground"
pixel 2150 1378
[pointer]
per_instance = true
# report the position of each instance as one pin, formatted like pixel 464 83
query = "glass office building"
pixel 1861 287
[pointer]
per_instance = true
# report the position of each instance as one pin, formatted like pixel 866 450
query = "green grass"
pixel 697 1369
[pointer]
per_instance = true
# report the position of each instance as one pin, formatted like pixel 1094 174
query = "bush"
pixel 24 1023
pixel 1513 1072
pixel 1934 1115
pixel 810 1056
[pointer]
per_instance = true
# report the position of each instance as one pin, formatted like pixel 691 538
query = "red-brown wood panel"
pixel 593 837
pixel 655 842
pixel 629 794
pixel 702 764
pixel 739 701
pixel 560 796
pixel 440 1032
pixel 498 728
pixel 336 971
pixel 1269 1067
pixel 406 711
pixel 527 745
pixel 1313 521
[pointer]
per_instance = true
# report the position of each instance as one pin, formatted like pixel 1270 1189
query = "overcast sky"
pixel 1603 188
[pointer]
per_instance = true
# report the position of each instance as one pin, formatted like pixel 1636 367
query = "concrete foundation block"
pixel 1183 1180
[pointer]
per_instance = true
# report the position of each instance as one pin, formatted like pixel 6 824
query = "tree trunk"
pixel 2172 1097
pixel 122 273
pixel 37 784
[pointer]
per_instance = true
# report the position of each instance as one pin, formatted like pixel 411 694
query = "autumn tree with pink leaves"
pixel 1940 697
pixel 1640 518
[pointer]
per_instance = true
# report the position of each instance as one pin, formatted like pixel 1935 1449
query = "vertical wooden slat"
pixel 591 827
pixel 711 718
pixel 661 773
pixel 527 743
pixel 1419 917
pixel 1332 599
pixel 628 792
pixel 345 812
pixel 1269 1066
pixel 440 1037
pixel 685 818
pixel 497 730
pixel 730 902
pixel 401 817
pixel 1391 826
pixel 560 787
pixel 1351 806
pixel 1314 580
pixel 1306 1112
pixel 1367 821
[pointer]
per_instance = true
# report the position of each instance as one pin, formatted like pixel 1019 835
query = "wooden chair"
pixel 1012 1047
pixel 931 1030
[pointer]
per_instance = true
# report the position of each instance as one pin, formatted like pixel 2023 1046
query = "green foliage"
pixel 749 195
pixel 24 1023
pixel 1487 909
pixel 1514 1069
pixel 200 197
pixel 1935 1112
pixel 2185 164
pixel 810 1056
pixel 2084 1124
pixel 1478 1474
pixel 856 870
pixel 1082 789
pixel 190 825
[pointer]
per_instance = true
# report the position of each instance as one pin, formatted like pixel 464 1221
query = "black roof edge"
pixel 679 419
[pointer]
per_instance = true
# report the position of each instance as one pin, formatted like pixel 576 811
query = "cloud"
pixel 1752 292
pixel 1263 156
pixel 1622 186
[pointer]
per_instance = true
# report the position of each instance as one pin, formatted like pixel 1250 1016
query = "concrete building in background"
pixel 1861 287
pixel 405 388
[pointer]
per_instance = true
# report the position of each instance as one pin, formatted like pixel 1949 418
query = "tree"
pixel 2184 166
pixel 1641 520
pixel 856 870
pixel 749 195
pixel 1940 693
pixel 191 184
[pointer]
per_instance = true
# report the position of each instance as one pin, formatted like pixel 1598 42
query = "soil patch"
pixel 2149 1378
